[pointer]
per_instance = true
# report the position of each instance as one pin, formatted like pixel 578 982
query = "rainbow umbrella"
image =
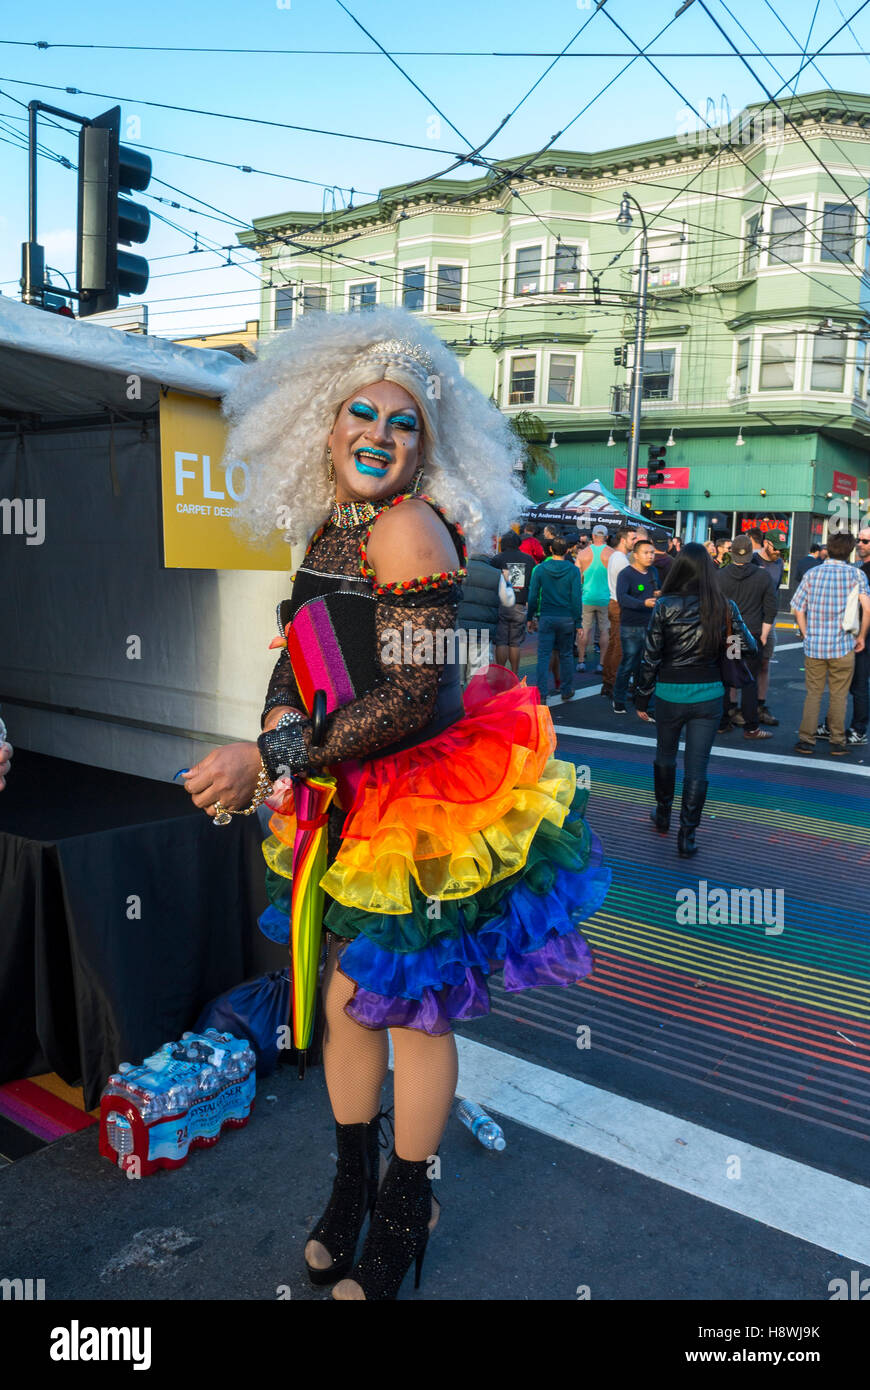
pixel 323 682
pixel 312 797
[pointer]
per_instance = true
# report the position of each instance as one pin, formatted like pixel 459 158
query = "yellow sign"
pixel 200 496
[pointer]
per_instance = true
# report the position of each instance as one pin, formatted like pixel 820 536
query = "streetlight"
pixel 624 222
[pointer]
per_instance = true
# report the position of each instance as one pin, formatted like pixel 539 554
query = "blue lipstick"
pixel 369 468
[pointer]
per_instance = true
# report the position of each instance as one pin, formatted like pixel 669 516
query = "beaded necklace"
pixel 355 513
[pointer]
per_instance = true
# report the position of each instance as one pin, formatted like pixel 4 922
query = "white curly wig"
pixel 284 407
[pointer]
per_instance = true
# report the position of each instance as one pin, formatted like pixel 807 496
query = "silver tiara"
pixel 403 350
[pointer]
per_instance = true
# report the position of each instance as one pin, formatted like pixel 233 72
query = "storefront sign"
pixel 200 495
pixel 674 477
pixel 765 524
pixel 844 483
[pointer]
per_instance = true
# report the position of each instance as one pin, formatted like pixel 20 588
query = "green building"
pixel 754 373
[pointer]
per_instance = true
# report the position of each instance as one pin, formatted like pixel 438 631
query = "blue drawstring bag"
pixel 255 1010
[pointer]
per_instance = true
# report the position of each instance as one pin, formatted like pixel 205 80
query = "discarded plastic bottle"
pixel 482 1126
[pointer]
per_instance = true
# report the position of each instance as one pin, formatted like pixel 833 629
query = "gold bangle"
pixel 261 791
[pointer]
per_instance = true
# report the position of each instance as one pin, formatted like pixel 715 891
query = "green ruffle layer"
pixel 552 848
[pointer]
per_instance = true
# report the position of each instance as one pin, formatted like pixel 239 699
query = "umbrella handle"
pixel 318 716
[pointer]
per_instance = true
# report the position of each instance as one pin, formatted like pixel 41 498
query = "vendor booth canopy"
pixel 54 368
pixel 590 506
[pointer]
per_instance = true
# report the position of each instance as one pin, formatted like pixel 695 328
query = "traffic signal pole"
pixel 107 170
pixel 32 254
pixel 637 369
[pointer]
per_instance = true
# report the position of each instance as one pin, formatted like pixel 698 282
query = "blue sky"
pixel 359 93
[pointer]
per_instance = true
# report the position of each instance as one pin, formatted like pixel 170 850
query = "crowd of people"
pixel 685 632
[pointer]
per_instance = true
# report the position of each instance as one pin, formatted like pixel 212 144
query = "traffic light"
pixel 106 170
pixel 655 456
pixel 620 356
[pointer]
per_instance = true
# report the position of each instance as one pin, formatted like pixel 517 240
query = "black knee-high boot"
pixel 691 806
pixel 354 1192
pixel 399 1230
pixel 664 779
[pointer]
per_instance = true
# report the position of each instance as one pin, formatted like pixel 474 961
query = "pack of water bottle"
pixel 180 1098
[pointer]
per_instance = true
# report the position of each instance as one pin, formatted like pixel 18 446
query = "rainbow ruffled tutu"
pixel 463 855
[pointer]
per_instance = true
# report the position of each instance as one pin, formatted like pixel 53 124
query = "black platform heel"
pixel 399 1231
pixel 354 1193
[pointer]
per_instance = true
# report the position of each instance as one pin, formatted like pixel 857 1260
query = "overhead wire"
pixel 322 251
pixel 367 53
pixel 786 117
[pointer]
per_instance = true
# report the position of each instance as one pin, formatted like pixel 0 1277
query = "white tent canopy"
pixel 57 367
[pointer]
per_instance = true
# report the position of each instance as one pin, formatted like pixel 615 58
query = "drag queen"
pixel 457 841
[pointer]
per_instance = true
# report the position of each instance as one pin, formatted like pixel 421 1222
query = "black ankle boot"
pixel 399 1230
pixel 354 1192
pixel 691 806
pixel 664 779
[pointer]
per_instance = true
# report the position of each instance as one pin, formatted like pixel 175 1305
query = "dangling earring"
pixel 331 462
pixel 418 479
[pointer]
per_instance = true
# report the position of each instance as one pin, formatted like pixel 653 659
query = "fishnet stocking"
pixel 355 1063
pixel 354 1058
pixel 426 1069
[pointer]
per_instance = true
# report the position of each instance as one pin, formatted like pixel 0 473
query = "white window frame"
pixel 547 275
pixel 548 357
pixel 540 241
pixel 676 349
pixel 292 289
pixel 667 240
pixel 463 265
pixel 856 233
pixel 759 213
pixel 414 264
pixel 810 211
pixel 304 285
pixel 811 361
pixel 355 284
pixel 738 343
pixel 579 245
pixel 509 361
pixel 787 330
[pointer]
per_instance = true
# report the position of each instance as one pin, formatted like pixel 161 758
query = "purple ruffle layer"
pixel 562 960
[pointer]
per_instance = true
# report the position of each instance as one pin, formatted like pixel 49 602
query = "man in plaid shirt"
pixel 829 653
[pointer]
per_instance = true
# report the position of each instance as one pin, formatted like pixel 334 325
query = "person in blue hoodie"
pixel 556 612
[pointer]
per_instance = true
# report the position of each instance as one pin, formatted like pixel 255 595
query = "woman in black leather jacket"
pixel 685 643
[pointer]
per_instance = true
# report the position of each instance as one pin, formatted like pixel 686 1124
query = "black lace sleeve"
pixel 282 689
pixel 414 636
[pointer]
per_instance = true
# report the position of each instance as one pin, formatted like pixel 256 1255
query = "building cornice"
pixel 820 115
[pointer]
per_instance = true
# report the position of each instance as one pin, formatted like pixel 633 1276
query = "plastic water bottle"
pixel 482 1126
